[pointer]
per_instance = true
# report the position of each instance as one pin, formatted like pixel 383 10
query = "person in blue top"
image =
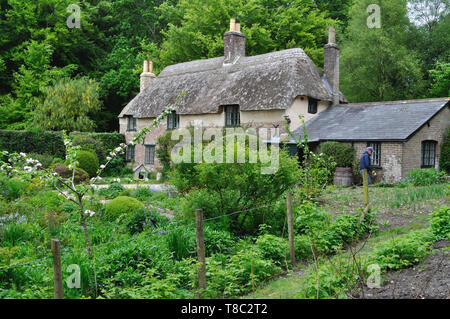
pixel 364 163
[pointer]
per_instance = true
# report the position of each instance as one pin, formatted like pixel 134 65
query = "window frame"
pixel 151 161
pixel 423 151
pixel 173 121
pixel 232 115
pixel 312 105
pixel 377 152
pixel 131 123
pixel 130 153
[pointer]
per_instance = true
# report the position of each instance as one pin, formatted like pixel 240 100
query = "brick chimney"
pixel 147 74
pixel 331 64
pixel 234 43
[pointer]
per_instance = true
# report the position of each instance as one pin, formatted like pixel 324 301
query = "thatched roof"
pixel 264 82
pixel 380 121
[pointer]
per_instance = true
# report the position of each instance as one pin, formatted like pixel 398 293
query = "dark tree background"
pixel 38 50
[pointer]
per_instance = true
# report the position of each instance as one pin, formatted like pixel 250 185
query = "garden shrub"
pixel 273 248
pixel 403 251
pixel 10 189
pixel 90 144
pixel 141 193
pixel 239 270
pixel 112 191
pixel 342 154
pixel 440 223
pixel 81 176
pixel 218 241
pixel 424 177
pixel 223 188
pixel 144 218
pixel 110 141
pixel 120 206
pixel 444 159
pixel 88 161
pixel 302 247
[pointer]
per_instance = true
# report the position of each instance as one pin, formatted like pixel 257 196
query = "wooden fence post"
pixel 290 226
pixel 200 251
pixel 57 274
pixel 365 185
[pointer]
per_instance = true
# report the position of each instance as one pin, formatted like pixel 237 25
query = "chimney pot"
pixel 147 75
pixel 150 66
pixel 145 67
pixel 331 35
pixel 232 24
pixel 238 27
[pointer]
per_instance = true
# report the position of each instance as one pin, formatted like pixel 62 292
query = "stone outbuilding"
pixel 404 134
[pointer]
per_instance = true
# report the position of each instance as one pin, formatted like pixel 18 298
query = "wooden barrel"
pixel 343 176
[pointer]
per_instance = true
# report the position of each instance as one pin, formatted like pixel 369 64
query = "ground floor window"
pixel 428 153
pixel 149 154
pixel 375 158
pixel 130 153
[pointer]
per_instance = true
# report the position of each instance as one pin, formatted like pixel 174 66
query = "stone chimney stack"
pixel 234 43
pixel 331 64
pixel 147 74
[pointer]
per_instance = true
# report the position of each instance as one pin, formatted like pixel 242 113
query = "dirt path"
pixel 427 280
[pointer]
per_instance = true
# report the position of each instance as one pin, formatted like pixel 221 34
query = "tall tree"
pixel 68 105
pixel 197 27
pixel 376 63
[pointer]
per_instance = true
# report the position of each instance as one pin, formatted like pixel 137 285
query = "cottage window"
pixel 375 158
pixel 149 154
pixel 131 124
pixel 428 153
pixel 173 121
pixel 232 116
pixel 130 153
pixel 312 105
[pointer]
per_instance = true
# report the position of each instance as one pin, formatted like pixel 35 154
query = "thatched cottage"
pixel 266 91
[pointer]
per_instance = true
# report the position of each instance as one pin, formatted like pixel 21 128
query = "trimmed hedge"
pixel 41 142
pixel 122 205
pixel 109 140
pixel 88 161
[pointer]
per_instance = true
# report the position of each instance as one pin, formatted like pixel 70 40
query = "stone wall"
pixel 412 154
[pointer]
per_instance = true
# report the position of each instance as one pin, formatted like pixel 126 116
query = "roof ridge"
pixel 397 102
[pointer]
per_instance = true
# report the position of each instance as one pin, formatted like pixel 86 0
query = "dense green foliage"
pixel 68 105
pixel 424 177
pixel 440 223
pixel 40 142
pixel 102 144
pixel 88 161
pixel 121 206
pixel 40 57
pixel 342 154
pixel 444 159
pixel 223 188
